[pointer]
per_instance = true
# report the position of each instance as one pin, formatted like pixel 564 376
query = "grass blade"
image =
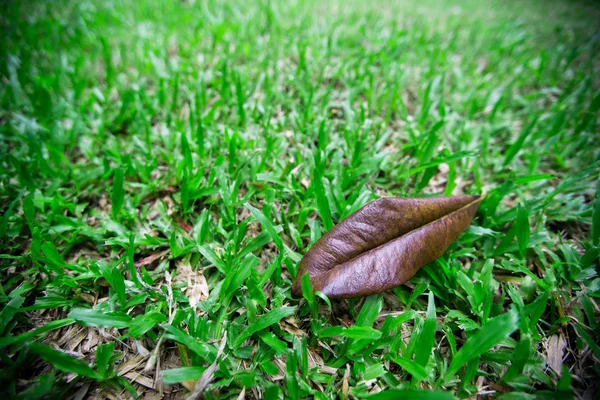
pixel 264 321
pixel 518 144
pixel 523 232
pixel 596 217
pixel 91 317
pixel 361 332
pixel 427 334
pixel 489 335
pixel 63 361
pixel 177 375
pixel 211 256
pixel 370 310
pixel 118 193
pixel 50 326
pixel 267 226
pixel 322 201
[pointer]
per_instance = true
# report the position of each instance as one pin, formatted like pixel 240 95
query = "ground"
pixel 164 166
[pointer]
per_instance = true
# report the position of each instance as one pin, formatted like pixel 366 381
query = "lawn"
pixel 165 165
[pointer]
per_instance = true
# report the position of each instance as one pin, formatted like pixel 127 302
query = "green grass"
pixel 164 165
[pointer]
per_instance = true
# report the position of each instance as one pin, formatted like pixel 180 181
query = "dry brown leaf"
pixel 345 383
pixel 93 338
pixel 68 334
pixel 198 291
pixel 327 347
pixel 328 370
pixel 373 384
pixel 153 396
pixel 314 359
pixel 290 325
pixel 196 285
pixel 104 394
pixel 209 374
pixel 185 226
pixel 281 366
pixel 141 379
pixel 554 352
pixel 130 365
pixel 82 392
pixel 481 384
pixel 143 351
pixel 242 394
pixel 189 385
pixel 151 258
pixel 75 340
pixel 88 298
pixel 157 382
pixel 384 244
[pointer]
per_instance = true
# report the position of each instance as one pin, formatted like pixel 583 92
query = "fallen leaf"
pixel 131 364
pixel 328 370
pixel 281 366
pixel 153 396
pixel 82 392
pixel 209 374
pixel 384 244
pixel 141 379
pixel 242 394
pixel 185 226
pixel 142 351
pixel 151 258
pixel 555 349
pixel 314 359
pixel 345 383
pixel 197 290
pixel 196 285
pixel 290 325
pixel 189 385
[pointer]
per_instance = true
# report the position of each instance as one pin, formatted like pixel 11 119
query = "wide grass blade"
pixel 488 336
pixel 322 200
pixel 50 326
pixel 91 317
pixel 267 226
pixel 264 321
pixel 518 144
pixel 118 192
pixel 427 334
pixel 63 361
pixel 177 375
